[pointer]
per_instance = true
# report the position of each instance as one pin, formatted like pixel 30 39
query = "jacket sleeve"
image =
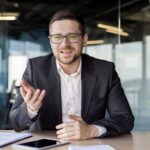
pixel 120 119
pixel 18 114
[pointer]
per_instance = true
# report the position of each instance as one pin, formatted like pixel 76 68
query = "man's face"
pixel 70 48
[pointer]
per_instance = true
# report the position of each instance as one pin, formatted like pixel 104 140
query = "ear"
pixel 85 39
pixel 49 40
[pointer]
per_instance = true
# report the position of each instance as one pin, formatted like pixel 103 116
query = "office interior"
pixel 119 31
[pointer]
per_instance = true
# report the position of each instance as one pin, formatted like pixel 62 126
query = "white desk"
pixel 134 141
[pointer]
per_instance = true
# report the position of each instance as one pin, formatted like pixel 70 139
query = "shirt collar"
pixel 60 70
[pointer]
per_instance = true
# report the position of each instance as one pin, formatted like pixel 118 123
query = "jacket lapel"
pixel 54 80
pixel 88 84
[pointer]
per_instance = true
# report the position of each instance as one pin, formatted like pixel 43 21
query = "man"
pixel 70 91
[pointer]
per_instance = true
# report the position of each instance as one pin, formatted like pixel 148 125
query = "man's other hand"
pixel 76 129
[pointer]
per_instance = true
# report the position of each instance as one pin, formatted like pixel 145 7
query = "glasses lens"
pixel 57 38
pixel 73 37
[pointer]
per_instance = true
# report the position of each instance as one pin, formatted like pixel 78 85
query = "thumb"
pixel 26 86
pixel 75 117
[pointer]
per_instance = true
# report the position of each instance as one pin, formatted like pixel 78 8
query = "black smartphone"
pixel 39 144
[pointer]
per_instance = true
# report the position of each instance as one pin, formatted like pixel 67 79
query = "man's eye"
pixel 57 37
pixel 72 36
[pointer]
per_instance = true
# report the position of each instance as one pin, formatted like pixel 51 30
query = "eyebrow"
pixel 66 34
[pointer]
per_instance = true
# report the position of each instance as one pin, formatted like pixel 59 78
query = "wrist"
pixel 32 110
pixel 31 113
pixel 94 132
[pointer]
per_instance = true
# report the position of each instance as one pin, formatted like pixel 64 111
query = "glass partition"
pixel 131 55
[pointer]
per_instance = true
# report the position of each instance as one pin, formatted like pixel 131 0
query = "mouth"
pixel 66 54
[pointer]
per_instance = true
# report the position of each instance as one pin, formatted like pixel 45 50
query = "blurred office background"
pixel 119 31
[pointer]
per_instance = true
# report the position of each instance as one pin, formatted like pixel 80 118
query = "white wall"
pixel 16 68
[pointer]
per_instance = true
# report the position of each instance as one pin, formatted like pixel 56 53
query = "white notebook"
pixel 91 147
pixel 10 137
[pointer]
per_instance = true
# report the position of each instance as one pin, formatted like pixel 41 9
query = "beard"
pixel 72 56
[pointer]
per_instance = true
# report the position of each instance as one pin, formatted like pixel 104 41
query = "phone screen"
pixel 40 143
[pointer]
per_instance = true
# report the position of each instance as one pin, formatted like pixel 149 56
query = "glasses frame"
pixel 64 36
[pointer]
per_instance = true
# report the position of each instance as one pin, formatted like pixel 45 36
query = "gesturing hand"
pixel 76 130
pixel 32 97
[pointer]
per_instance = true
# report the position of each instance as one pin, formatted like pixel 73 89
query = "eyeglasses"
pixel 58 38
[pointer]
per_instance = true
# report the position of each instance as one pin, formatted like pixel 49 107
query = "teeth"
pixel 65 52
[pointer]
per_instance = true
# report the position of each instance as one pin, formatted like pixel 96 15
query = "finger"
pixel 69 136
pixel 64 130
pixel 38 102
pixel 26 86
pixel 28 96
pixel 42 94
pixel 64 125
pixel 66 135
pixel 76 118
pixel 22 91
pixel 35 96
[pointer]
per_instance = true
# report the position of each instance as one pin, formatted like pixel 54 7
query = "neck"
pixel 70 68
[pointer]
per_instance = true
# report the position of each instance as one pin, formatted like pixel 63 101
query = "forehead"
pixel 65 26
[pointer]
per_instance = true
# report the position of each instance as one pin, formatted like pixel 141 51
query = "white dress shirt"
pixel 70 92
pixel 70 95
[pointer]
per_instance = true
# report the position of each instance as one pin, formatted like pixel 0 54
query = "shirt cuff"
pixel 31 113
pixel 101 130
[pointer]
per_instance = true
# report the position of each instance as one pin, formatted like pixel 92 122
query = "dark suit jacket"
pixel 101 91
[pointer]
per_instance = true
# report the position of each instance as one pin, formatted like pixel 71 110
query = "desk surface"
pixel 133 141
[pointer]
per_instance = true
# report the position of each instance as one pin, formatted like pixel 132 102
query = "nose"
pixel 65 42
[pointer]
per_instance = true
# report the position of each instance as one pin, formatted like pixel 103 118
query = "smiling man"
pixel 69 91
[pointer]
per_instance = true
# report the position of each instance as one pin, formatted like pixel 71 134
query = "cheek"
pixel 55 52
pixel 79 48
pixel 54 48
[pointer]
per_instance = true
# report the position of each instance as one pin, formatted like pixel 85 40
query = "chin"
pixel 67 62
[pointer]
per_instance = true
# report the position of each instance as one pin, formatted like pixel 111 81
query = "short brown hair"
pixel 68 14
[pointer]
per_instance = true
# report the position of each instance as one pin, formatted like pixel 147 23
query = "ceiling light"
pixel 95 42
pixel 118 32
pixel 112 29
pixel 104 26
pixel 7 16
